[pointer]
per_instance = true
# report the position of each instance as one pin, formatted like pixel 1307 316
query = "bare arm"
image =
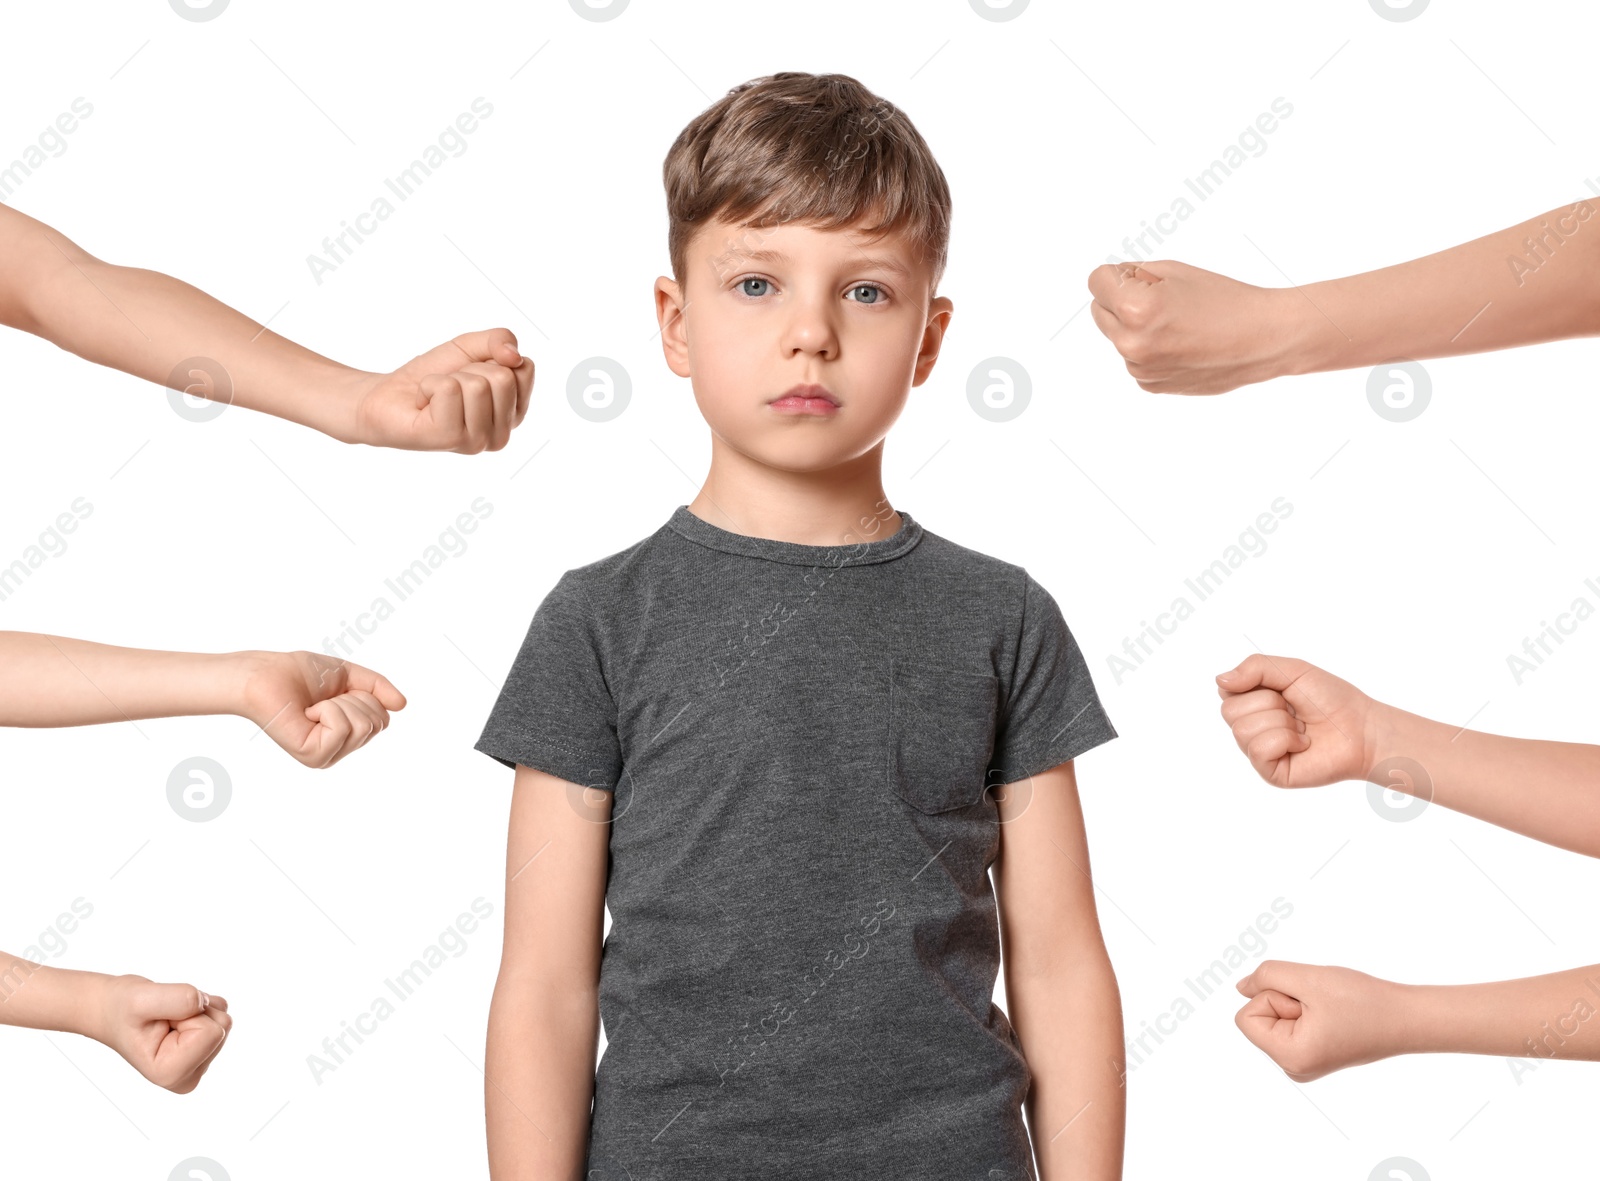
pixel 1313 1020
pixel 1061 992
pixel 1184 330
pixel 544 1019
pixel 34 996
pixel 1301 726
pixel 1546 790
pixel 466 395
pixel 317 708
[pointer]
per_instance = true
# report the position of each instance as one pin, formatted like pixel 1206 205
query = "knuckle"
pixel 1135 313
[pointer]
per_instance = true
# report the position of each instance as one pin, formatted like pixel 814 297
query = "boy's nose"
pixel 810 329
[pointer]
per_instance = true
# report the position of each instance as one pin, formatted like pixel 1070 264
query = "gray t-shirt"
pixel 798 981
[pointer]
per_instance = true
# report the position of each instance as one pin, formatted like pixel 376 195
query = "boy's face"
pixel 762 311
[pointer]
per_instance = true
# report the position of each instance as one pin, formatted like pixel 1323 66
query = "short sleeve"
pixel 1051 711
pixel 555 712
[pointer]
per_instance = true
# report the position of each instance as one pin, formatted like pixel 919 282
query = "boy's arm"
pixel 1301 726
pixel 1061 993
pixel 466 395
pixel 1183 330
pixel 544 1019
pixel 316 707
pixel 1313 1020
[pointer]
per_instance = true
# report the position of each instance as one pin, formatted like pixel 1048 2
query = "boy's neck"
pixel 842 505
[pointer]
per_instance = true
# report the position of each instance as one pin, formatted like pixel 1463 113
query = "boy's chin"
pixel 791 451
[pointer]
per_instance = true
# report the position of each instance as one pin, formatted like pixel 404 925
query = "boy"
pixel 771 737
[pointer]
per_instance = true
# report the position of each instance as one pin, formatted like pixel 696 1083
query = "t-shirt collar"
pixel 858 553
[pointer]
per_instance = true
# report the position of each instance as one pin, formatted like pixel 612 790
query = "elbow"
pixel 49 280
pixel 1070 970
pixel 536 989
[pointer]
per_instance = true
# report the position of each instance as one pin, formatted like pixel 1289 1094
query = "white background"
pixel 1416 558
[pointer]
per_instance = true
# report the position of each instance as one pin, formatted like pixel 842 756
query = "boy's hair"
pixel 816 149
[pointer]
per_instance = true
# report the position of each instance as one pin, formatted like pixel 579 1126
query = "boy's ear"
pixel 669 314
pixel 939 312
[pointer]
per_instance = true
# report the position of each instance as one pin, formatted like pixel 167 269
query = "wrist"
pixel 1420 1020
pixel 1458 1019
pixel 213 684
pixel 1308 341
pixel 237 672
pixel 179 684
pixel 1388 734
pixel 338 409
pixel 91 1015
pixel 1413 751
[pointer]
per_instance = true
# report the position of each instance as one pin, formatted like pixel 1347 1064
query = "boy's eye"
pixel 874 292
pixel 744 285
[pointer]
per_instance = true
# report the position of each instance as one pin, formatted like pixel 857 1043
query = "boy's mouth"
pixel 805 399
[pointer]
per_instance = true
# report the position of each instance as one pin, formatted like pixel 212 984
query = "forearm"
pixel 56 681
pixel 1546 790
pixel 37 997
pixel 146 323
pixel 1069 1021
pixel 1532 282
pixel 1551 1016
pixel 539 1078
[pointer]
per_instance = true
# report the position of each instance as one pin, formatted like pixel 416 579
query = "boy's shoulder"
pixel 614 564
pixel 604 577
pixel 954 555
pixel 984 585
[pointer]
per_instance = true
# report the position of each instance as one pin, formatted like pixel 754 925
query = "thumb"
pixel 1159 269
pixel 1271 974
pixel 1138 272
pixel 360 677
pixel 491 344
pixel 169 1002
pixel 1150 272
pixel 1259 669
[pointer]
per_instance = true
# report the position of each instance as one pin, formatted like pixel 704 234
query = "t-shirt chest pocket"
pixel 941 734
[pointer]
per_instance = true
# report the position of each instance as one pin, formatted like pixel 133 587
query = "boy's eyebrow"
pixel 886 262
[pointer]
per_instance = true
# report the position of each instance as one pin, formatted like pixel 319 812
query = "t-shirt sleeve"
pixel 556 712
pixel 1051 712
